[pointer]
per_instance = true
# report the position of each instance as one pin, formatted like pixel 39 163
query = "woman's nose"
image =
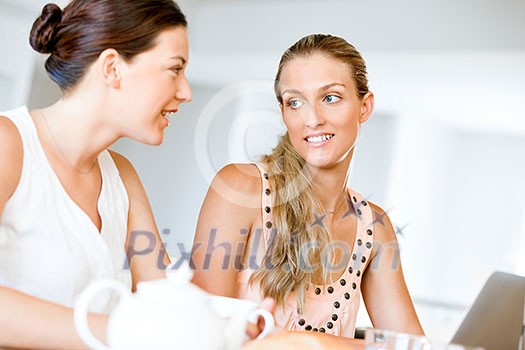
pixel 314 118
pixel 183 92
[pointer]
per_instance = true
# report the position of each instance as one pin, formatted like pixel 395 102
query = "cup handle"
pixel 81 311
pixel 269 322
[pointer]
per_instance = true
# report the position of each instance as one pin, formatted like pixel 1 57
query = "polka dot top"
pixel 330 308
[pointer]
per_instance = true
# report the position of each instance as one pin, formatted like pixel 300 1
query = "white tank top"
pixel 49 247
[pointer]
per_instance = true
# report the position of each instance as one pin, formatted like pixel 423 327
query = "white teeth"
pixel 168 114
pixel 315 139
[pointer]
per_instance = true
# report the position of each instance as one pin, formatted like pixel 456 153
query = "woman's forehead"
pixel 315 71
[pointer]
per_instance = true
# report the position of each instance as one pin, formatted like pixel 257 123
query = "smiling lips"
pixel 318 138
pixel 168 114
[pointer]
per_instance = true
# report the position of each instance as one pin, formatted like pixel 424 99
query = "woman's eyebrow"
pixel 322 88
pixel 183 60
pixel 329 86
pixel 291 91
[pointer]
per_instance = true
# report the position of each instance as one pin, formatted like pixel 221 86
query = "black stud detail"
pixel 334 317
pixel 317 290
pixel 268 224
pixel 337 304
pixel 364 203
pixel 363 259
pixel 368 245
pixel 354 256
pixel 358 273
pixel 314 330
pixel 322 330
pixel 343 282
pixel 359 241
pixel 308 328
pixel 359 211
pixel 266 176
pixel 350 269
pixel 347 296
pixel 267 209
pixel 301 322
pixel 329 325
pixel 354 285
pixel 330 289
pixel 355 199
pixel 267 191
pixel 369 232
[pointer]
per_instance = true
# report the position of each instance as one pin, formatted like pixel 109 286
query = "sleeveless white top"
pixel 49 247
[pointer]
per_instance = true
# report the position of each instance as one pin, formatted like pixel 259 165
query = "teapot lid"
pixel 177 282
pixel 183 274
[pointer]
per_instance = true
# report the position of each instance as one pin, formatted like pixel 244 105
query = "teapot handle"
pixel 82 309
pixel 236 329
pixel 269 321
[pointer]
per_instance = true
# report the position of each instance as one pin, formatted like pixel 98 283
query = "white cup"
pixel 243 310
pixel 377 339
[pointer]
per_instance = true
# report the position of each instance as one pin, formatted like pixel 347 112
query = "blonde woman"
pixel 288 227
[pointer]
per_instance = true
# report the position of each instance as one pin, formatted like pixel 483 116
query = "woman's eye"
pixel 295 104
pixel 332 98
pixel 176 70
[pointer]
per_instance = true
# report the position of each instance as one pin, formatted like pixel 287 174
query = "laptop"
pixel 496 319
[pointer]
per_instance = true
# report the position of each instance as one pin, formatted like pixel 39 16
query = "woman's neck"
pixel 329 185
pixel 78 131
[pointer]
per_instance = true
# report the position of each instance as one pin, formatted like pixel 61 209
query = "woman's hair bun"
pixel 42 37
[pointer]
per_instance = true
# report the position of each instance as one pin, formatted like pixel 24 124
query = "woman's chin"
pixel 157 141
pixel 153 139
pixel 319 163
pixel 324 163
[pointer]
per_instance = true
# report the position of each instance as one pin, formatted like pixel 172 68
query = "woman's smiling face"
pixel 321 108
pixel 154 86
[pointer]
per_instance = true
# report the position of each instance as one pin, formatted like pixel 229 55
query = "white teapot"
pixel 169 313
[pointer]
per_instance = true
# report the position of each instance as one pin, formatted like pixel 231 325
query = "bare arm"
pixel 31 323
pixel 384 289
pixel 305 341
pixel 25 321
pixel 11 157
pixel 229 213
pixel 146 252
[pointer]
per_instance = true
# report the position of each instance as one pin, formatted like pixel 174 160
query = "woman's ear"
pixel 109 63
pixel 367 107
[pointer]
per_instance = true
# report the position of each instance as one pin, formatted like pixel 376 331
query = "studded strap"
pixel 266 204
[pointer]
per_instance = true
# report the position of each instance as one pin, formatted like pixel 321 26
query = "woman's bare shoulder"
pixel 11 158
pixel 383 228
pixel 239 183
pixel 11 140
pixel 128 174
pixel 123 164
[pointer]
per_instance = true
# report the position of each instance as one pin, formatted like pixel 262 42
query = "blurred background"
pixel 444 153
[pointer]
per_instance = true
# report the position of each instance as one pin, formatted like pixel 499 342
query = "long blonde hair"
pixel 295 251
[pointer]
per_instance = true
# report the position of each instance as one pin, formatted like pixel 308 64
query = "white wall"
pixel 461 193
pixel 43 90
pixel 16 58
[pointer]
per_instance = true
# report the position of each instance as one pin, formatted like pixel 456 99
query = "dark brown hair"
pixel 76 36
